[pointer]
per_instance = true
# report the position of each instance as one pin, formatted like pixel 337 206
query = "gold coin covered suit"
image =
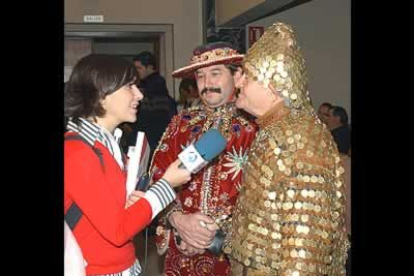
pixel 290 214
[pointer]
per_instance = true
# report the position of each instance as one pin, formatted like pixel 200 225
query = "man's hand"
pixel 197 230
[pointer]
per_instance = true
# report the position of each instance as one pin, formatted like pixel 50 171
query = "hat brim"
pixel 187 70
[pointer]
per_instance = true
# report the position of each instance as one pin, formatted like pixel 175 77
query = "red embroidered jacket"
pixel 213 190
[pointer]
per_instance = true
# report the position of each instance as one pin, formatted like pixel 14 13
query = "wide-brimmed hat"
pixel 210 54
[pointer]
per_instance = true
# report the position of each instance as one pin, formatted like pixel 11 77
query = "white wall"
pixel 131 49
pixel 323 29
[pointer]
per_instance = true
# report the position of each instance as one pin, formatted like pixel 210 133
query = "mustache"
pixel 211 89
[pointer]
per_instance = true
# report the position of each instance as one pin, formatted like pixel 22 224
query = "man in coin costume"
pixel 203 208
pixel 290 214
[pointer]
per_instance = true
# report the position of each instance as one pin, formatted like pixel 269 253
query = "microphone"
pixel 196 156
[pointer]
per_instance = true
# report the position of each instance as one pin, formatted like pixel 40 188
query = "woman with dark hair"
pixel 101 94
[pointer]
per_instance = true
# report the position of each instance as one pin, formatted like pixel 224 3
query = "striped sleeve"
pixel 159 195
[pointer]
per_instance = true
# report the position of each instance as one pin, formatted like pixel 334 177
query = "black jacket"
pixel 155 110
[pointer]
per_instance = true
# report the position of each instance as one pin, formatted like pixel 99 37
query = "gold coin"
pixel 276 77
pixel 268 75
pixel 290 193
pixel 299 242
pixel 311 206
pixel 279 68
pixel 311 267
pixel 280 57
pixel 288 171
pixel 304 193
pixel 270 174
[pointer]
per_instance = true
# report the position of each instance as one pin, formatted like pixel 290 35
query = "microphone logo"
pixel 192 157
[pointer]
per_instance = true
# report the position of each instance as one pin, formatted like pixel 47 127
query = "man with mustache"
pixel 201 214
